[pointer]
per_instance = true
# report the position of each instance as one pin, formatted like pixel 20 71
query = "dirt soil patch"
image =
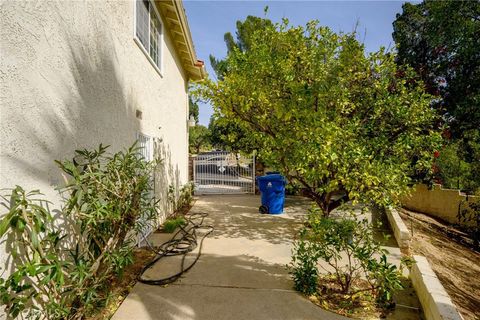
pixel 362 305
pixel 455 263
pixel 121 287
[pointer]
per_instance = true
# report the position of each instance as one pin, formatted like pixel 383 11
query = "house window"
pixel 148 30
pixel 146 151
pixel 146 145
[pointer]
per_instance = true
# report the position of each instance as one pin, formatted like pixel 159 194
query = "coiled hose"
pixel 183 241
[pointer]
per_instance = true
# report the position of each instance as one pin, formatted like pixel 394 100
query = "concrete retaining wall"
pixel 400 230
pixel 437 202
pixel 436 302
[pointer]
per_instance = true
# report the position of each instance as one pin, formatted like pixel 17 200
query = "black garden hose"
pixel 183 241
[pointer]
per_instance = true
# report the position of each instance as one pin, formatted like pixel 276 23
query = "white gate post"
pixel 254 170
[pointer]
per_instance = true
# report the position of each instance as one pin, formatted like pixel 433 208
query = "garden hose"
pixel 183 241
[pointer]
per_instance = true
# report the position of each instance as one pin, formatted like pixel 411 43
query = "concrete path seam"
pixel 229 287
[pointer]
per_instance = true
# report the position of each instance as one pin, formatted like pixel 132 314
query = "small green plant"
pixel 67 276
pixel 171 224
pixel 182 199
pixel 347 246
pixel 304 269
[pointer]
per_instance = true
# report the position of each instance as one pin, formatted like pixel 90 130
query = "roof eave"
pixel 174 15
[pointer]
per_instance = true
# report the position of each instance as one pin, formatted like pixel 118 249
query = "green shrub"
pixel 67 276
pixel 172 224
pixel 304 269
pixel 469 214
pixel 181 199
pixel 347 245
pixel 458 166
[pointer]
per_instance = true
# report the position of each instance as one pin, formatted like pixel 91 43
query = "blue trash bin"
pixel 272 188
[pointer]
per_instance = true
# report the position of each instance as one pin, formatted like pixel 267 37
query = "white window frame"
pixel 146 51
pixel 148 145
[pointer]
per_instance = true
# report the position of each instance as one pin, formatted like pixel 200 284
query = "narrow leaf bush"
pixel 57 275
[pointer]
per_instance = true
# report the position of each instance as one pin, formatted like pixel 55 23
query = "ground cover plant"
pixel 171 224
pixel 60 275
pixel 338 263
pixel 344 124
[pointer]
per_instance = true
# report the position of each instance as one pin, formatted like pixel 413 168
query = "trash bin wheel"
pixel 263 209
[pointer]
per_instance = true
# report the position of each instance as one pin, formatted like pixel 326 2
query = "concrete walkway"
pixel 241 273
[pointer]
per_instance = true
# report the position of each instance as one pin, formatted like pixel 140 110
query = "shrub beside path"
pixel 241 273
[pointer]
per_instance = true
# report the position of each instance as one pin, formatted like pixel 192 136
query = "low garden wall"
pixel 437 202
pixel 400 230
pixel 435 301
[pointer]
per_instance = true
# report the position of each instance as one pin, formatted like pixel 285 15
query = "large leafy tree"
pixel 327 115
pixel 225 132
pixel 242 41
pixel 198 138
pixel 440 40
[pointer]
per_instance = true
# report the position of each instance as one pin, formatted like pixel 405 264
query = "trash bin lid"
pixel 271 177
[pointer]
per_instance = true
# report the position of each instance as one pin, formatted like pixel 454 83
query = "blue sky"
pixel 210 20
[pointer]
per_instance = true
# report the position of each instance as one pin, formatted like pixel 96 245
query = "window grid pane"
pixel 154 38
pixel 149 29
pixel 142 22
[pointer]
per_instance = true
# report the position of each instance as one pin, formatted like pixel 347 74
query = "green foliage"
pixel 172 224
pixel 243 41
pixel 228 135
pixel 292 189
pixel 193 108
pixel 182 199
pixel 469 214
pixel 303 267
pixel 38 280
pixel 198 138
pixel 346 244
pixel 454 172
pixel 439 39
pixel 331 117
pixel 62 274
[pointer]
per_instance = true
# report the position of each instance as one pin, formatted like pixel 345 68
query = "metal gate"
pixel 223 172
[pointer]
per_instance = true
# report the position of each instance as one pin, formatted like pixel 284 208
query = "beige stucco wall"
pixel 437 202
pixel 72 76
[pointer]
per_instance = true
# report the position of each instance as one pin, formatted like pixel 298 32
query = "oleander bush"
pixel 60 275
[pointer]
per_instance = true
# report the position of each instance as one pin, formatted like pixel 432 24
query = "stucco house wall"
pixel 72 77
